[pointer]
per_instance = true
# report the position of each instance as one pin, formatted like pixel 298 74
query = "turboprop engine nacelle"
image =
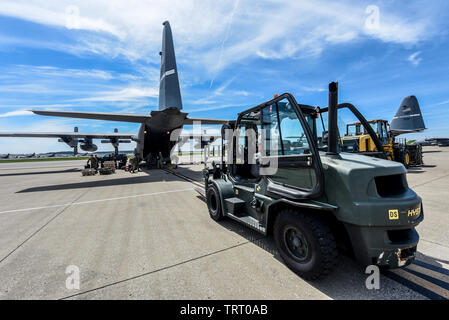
pixel 71 142
pixel 89 147
pixel 115 141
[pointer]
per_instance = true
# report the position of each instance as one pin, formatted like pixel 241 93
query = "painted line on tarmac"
pixel 431 180
pixel 160 269
pixel 41 228
pixel 98 200
pixel 46 167
pixel 430 281
pixel 195 182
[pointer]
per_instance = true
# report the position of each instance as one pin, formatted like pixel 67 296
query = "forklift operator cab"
pixel 275 142
pixel 356 130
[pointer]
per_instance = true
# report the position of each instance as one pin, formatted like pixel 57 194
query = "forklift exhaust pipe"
pixel 332 144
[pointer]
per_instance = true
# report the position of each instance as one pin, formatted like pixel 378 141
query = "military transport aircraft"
pixel 441 142
pixel 24 156
pixel 154 139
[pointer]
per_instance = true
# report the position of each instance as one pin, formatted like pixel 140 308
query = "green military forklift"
pixel 279 175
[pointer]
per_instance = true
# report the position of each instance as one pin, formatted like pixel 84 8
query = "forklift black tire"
pixel 406 159
pixel 305 243
pixel 214 203
pixel 419 156
pixel 389 156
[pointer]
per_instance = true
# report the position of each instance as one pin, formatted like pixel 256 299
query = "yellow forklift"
pixel 407 119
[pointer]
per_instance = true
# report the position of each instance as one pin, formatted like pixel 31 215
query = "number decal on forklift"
pixel 414 213
pixel 393 214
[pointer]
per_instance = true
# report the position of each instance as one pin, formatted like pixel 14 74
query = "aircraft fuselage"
pixel 156 138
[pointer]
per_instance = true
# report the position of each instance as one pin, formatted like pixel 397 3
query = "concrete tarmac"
pixel 149 236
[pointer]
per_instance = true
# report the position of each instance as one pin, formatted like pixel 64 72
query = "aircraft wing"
pixel 121 117
pixel 189 121
pixel 69 134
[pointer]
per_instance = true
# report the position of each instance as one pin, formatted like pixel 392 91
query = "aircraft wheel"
pixel 213 203
pixel 305 243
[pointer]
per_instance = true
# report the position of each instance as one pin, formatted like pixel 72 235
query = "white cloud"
pixel 28 145
pixel 43 71
pixel 56 13
pixel 43 125
pixel 225 38
pixel 126 94
pixel 215 107
pixel 50 71
pixel 414 58
pixel 220 90
pixel 222 93
pixel 304 28
pixel 36 82
pixel 212 35
pixel 16 113
pixel 35 88
pixel 439 103
pixel 37 106
pixel 312 89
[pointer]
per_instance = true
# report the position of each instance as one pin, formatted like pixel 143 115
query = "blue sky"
pixel 103 56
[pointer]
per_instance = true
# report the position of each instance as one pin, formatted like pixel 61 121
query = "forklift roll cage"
pixel 302 160
pixel 311 160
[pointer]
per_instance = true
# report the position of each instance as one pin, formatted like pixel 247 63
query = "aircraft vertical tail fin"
pixel 169 91
pixel 408 118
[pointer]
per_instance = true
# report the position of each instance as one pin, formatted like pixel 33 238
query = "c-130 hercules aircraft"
pixel 154 139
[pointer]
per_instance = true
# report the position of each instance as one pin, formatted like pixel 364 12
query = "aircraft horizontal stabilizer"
pixel 189 121
pixel 121 117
